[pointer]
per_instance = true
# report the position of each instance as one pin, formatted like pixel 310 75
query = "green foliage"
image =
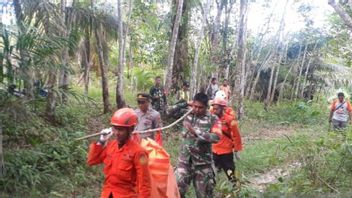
pixel 327 167
pixel 299 112
pixel 42 160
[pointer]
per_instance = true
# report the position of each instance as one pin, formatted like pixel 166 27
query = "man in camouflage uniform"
pixel 195 162
pixel 158 96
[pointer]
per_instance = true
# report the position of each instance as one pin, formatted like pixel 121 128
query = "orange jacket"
pixel 126 169
pixel 231 139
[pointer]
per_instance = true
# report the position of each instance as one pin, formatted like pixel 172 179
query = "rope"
pixel 145 131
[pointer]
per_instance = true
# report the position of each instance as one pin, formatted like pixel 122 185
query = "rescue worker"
pixel 340 112
pixel 125 161
pixel 158 96
pixel 230 141
pixel 148 118
pixel 225 87
pixel 200 130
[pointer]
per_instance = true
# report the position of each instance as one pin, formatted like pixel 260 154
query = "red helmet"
pixel 219 101
pixel 124 117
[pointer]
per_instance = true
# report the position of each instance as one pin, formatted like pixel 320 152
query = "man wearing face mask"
pixel 125 161
pixel 148 118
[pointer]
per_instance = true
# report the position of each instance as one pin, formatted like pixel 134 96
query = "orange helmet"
pixel 219 101
pixel 124 117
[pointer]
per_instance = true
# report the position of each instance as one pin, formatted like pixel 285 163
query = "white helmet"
pixel 220 94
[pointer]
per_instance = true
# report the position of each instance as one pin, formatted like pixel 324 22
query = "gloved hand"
pixel 105 135
pixel 237 156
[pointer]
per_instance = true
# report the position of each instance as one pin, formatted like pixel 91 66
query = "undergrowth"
pixel 42 160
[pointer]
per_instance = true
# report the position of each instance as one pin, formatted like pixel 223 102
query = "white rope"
pixel 145 131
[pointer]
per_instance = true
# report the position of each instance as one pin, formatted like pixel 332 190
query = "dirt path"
pixel 269 134
pixel 261 181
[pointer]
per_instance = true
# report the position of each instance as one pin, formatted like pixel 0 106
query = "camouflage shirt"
pixel 197 149
pixel 158 98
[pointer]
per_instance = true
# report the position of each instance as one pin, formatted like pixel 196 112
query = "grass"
pixel 42 161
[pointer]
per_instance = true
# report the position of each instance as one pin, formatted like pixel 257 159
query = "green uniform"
pixel 195 162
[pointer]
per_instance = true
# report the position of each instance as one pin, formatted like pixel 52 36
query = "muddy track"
pixel 274 175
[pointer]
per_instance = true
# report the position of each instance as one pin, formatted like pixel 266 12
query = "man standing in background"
pixel 148 118
pixel 225 87
pixel 340 112
pixel 158 96
pixel 212 88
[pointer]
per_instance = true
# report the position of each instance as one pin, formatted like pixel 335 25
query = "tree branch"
pixel 342 13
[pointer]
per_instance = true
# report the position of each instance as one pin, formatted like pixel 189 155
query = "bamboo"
pixel 146 131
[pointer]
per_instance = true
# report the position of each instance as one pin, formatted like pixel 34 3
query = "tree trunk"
pixel 215 36
pixel 283 84
pixel 277 73
pixel 254 85
pixel 347 19
pixel 301 69
pixel 181 50
pixel 193 84
pixel 170 60
pixel 64 75
pixel 51 99
pixel 86 62
pixel 297 64
pixel 307 70
pixel 241 59
pixel 268 93
pixel 226 52
pixel 27 74
pixel 130 59
pixel 52 83
pixel 104 80
pixel 280 39
pixel 1 68
pixel 120 101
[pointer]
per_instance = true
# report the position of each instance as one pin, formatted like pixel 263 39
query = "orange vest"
pixel 163 181
pixel 230 139
pixel 126 169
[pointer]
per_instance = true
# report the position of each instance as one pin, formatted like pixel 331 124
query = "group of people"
pixel 210 137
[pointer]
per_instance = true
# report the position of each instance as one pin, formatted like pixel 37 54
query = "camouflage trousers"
pixel 203 178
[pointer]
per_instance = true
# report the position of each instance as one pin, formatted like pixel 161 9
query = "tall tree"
pixel 193 85
pixel 172 46
pixel 181 50
pixel 26 73
pixel 64 75
pixel 298 81
pixel 86 62
pixel 276 67
pixel 120 101
pixel 103 68
pixel 304 83
pixel 345 16
pixel 240 70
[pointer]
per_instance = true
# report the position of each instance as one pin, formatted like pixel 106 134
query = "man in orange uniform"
pixel 230 141
pixel 125 161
